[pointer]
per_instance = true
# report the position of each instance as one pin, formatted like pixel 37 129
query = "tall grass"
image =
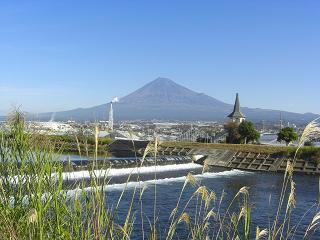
pixel 34 203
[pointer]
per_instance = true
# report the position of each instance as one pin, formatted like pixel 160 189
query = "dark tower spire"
pixel 237 115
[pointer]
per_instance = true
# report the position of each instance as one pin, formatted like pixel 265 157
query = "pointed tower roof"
pixel 236 110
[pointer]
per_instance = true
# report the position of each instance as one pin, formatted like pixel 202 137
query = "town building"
pixel 237 116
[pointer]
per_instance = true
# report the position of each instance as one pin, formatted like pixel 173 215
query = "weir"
pixel 126 173
pixel 244 160
pixel 220 158
pixel 104 163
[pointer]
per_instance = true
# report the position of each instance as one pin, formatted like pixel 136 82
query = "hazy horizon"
pixel 20 106
pixel 64 55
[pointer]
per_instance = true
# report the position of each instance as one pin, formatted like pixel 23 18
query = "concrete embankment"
pixel 244 160
pixel 257 162
pixel 243 157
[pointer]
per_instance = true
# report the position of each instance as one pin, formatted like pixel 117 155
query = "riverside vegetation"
pixel 34 205
pixel 80 144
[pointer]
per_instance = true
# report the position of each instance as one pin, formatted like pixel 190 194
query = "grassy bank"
pixel 86 145
pixel 75 143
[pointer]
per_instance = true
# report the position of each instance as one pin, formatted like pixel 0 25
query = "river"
pixel 264 191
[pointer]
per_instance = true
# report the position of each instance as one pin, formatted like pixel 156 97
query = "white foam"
pixel 143 184
pixel 112 172
pixel 231 173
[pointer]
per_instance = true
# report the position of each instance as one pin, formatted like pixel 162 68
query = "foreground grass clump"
pixel 35 205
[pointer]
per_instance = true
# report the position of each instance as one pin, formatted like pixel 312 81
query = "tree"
pixel 233 133
pixel 309 144
pixel 288 135
pixel 204 139
pixel 248 132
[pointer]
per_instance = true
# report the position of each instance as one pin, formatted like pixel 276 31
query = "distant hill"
pixel 163 99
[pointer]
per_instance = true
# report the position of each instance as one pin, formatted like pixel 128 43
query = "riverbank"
pixel 85 145
pixel 305 153
pixel 80 144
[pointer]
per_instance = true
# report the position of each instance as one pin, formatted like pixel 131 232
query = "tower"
pixel 237 116
pixel 281 121
pixel 110 123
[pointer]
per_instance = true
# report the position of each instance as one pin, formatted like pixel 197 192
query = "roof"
pixel 236 110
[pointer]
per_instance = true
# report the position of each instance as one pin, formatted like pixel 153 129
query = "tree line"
pixel 246 132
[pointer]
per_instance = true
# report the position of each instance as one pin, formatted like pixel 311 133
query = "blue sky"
pixel 58 55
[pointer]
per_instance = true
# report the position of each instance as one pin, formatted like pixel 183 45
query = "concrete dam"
pixel 218 158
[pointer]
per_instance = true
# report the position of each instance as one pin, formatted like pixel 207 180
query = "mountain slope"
pixel 164 99
pixel 165 92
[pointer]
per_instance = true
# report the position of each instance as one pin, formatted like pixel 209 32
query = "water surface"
pixel 265 189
